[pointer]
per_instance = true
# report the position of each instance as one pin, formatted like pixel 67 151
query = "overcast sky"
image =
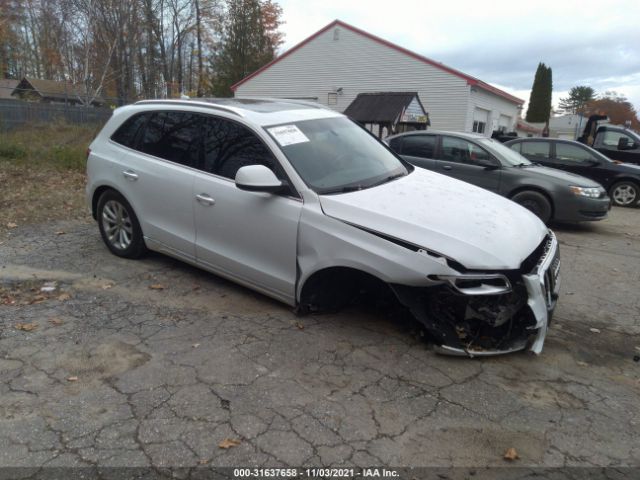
pixel 586 42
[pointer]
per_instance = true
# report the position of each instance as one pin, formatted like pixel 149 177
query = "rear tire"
pixel 625 194
pixel 119 226
pixel 535 202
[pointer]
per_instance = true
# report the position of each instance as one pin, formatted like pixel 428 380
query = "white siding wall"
pixel 358 64
pixel 495 105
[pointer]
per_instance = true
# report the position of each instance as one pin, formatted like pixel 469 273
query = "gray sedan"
pixel 550 194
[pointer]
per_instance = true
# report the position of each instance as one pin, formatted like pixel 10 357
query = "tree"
pixel 616 107
pixel 539 109
pixel 250 40
pixel 578 98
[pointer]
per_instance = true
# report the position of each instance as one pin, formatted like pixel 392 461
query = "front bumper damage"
pixel 476 321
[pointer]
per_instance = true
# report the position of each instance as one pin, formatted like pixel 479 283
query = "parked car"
pixel 621 180
pixel 614 141
pixel 549 193
pixel 300 203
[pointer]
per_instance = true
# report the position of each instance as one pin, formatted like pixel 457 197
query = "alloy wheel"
pixel 117 224
pixel 625 194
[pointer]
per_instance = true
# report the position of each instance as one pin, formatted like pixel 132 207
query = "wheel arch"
pixel 537 189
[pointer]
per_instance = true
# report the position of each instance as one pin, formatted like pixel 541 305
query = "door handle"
pixel 130 175
pixel 205 199
pixel 446 167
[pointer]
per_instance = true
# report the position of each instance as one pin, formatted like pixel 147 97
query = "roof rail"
pixel 190 103
pixel 298 101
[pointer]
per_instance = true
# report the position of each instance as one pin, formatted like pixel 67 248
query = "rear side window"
pixel 422 146
pixel 536 149
pixel 174 136
pixel 229 146
pixel 127 133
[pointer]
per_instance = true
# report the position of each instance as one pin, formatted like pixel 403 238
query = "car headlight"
pixel 591 192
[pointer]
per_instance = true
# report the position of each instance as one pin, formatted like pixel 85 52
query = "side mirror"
pixel 489 164
pixel 258 178
pixel 623 143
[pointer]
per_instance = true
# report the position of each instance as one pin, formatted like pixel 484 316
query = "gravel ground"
pixel 155 363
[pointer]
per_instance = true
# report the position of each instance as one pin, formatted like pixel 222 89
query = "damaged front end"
pixel 481 314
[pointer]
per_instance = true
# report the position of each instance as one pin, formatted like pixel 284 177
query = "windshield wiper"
pixel 348 188
pixel 387 179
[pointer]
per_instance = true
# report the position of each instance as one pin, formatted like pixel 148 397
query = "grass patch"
pixel 58 146
pixel 42 174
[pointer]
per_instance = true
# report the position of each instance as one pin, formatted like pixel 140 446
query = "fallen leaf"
pixel 196 287
pixel 228 443
pixel 107 286
pixel 60 232
pixel 594 330
pixel 38 299
pixel 72 379
pixel 27 327
pixel 511 454
pixel 195 345
pixel 63 297
pixel 300 326
pixel 12 225
pixel 203 461
pixel 583 364
pixel 55 321
pixel 157 286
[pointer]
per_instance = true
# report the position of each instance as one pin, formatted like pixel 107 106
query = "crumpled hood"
pixel 473 226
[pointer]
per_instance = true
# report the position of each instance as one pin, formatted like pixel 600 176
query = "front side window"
pixel 335 155
pixel 572 153
pixel 228 146
pixel 611 138
pixel 462 151
pixel 535 149
pixel 174 136
pixel 422 146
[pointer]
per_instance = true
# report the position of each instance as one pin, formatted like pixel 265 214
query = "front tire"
pixel 119 226
pixel 625 194
pixel 535 202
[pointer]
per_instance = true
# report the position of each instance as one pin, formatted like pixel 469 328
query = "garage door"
pixel 480 120
pixel 504 123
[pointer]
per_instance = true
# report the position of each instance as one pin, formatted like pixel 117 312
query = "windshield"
pixel 335 155
pixel 508 157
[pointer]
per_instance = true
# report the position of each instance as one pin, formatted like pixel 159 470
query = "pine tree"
pixel 249 42
pixel 578 98
pixel 540 100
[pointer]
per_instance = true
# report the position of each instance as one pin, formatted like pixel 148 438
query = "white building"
pixel 340 61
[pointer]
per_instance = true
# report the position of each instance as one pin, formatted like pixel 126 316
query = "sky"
pixel 586 42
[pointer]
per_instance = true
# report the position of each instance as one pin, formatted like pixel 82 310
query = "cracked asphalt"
pixel 116 373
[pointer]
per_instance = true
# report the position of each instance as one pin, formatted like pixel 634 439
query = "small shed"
pixel 52 91
pixel 385 113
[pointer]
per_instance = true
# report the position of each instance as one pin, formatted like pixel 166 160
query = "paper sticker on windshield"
pixel 288 135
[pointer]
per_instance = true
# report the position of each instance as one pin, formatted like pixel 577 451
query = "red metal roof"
pixel 470 80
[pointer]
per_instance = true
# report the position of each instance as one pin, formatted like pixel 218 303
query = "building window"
pixel 478 127
pixel 332 98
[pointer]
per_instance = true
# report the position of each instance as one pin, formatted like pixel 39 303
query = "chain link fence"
pixel 15 113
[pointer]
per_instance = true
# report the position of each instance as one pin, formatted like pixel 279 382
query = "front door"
pixel 467 161
pixel 248 236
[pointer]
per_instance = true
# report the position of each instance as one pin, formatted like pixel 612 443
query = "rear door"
pixel 464 160
pixel 419 150
pixel 155 175
pixel 249 236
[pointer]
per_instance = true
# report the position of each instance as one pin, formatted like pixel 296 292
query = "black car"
pixel 549 193
pixel 621 180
